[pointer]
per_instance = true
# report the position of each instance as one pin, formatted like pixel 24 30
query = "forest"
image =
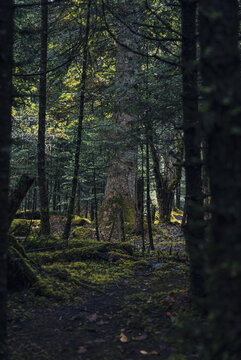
pixel 120 180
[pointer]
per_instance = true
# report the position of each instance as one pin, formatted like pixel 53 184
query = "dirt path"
pixel 132 320
pixel 135 316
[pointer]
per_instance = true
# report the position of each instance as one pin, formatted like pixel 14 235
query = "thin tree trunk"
pixel 178 196
pixel 80 126
pixel 142 200
pixel 6 36
pixel 194 229
pixel 148 200
pixel 96 203
pixel 43 189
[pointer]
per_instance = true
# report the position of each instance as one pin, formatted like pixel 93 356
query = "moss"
pixel 110 206
pixel 176 216
pixel 141 264
pixel 20 271
pixel 80 221
pixel 28 214
pixel 38 242
pixel 22 227
pixel 81 232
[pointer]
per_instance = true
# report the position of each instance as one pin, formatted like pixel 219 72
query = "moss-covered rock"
pixel 23 227
pixel 89 250
pixel 80 221
pixel 81 232
pixel 28 214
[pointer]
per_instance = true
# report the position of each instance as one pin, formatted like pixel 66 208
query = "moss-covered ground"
pixel 105 300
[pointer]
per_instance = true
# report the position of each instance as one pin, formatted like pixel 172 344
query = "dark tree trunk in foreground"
pixel 220 66
pixel 194 228
pixel 80 127
pixel 6 33
pixel 43 189
pixel 18 195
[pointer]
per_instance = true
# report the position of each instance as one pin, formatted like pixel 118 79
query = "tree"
pixel 80 126
pixel 43 188
pixel 6 37
pixel 120 191
pixel 221 116
pixel 194 229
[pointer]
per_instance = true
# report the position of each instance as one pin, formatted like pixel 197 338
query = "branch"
pixel 155 56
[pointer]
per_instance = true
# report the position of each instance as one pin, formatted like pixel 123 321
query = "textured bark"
pixel 42 181
pixel 165 185
pixel 148 200
pixel 6 34
pixel 139 206
pixel 80 127
pixel 95 202
pixel 120 188
pixel 220 68
pixel 194 229
pixel 18 195
pixel 178 196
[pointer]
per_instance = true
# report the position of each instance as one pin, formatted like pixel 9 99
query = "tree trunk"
pixel 80 126
pixel 120 190
pixel 178 196
pixel 139 206
pixel 148 200
pixel 18 195
pixel 194 229
pixel 220 68
pixel 95 202
pixel 165 185
pixel 43 189
pixel 6 37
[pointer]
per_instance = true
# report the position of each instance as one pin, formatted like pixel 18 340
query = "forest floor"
pixel 133 308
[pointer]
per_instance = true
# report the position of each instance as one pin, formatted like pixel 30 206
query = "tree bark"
pixel 120 190
pixel 42 181
pixel 80 127
pixel 18 195
pixel 148 200
pixel 165 185
pixel 194 229
pixel 6 42
pixel 220 68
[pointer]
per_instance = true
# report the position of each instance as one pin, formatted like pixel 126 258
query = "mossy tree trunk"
pixel 6 36
pixel 120 190
pixel 220 68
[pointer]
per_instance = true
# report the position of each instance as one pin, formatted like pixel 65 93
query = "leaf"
pixel 142 337
pixel 143 352
pixel 153 352
pixel 92 317
pixel 81 350
pixel 123 338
